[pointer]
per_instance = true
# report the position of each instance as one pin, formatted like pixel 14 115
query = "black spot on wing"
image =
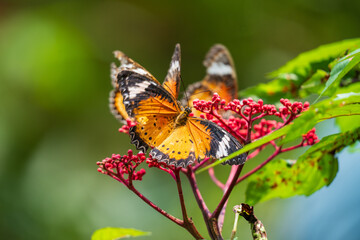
pixel 222 139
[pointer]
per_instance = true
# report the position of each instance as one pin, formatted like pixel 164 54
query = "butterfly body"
pixel 183 117
pixel 163 124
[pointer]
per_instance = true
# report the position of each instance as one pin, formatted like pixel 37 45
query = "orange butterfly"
pixel 220 78
pixel 163 124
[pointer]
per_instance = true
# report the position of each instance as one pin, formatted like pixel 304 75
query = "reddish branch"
pixel 247 122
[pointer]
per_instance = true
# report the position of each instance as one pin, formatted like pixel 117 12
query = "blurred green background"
pixel 55 123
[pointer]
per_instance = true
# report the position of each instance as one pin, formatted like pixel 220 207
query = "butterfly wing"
pixel 177 149
pixel 213 141
pixel 172 79
pixel 116 98
pixel 198 139
pixel 220 77
pixel 171 83
pixel 147 102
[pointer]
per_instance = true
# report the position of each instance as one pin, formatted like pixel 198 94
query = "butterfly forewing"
pixel 172 80
pixel 116 103
pixel 151 106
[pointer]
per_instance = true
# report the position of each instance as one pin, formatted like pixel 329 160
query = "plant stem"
pixel 233 232
pixel 259 166
pixel 214 178
pixel 226 186
pixel 119 178
pixel 257 227
pixel 188 223
pixel 225 197
pixel 158 209
pixel 200 201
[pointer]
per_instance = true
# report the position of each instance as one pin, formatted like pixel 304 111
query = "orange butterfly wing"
pixel 145 101
pixel 220 77
pixel 171 83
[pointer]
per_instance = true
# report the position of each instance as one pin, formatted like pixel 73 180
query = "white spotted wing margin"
pixel 165 158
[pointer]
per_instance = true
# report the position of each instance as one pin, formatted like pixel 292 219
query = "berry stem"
pixel 188 224
pixel 214 178
pixel 158 209
pixel 199 199
pixel 232 182
pixel 223 210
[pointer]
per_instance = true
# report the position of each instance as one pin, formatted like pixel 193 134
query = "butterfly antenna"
pixel 184 89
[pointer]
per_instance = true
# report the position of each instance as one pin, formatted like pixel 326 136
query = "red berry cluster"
pixel 264 127
pixel 296 107
pixel 249 111
pixel 123 165
pixel 125 128
pixel 208 106
pixel 310 138
pixel 160 165
pixel 248 106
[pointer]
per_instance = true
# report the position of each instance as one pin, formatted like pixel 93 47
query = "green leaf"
pixel 317 58
pixel 316 168
pixel 110 233
pixel 338 72
pixel 351 55
pixel 306 67
pixel 314 84
pixel 348 123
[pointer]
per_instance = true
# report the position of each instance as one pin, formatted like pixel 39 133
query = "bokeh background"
pixel 55 124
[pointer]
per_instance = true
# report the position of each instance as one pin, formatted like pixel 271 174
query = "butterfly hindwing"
pixel 177 149
pixel 217 142
pixel 117 106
